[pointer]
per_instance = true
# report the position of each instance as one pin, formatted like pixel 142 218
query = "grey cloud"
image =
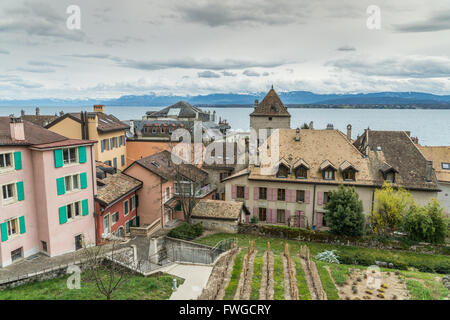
pixel 229 74
pixel 261 12
pixel 208 74
pixel 437 22
pixel 4 52
pixel 37 63
pixel 251 73
pixel 121 41
pixel 35 70
pixel 346 48
pixel 410 67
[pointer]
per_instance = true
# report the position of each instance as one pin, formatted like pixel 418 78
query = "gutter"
pixel 314 206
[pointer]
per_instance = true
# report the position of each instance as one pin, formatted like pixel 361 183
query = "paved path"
pixel 195 279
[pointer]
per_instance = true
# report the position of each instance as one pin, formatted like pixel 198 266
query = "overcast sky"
pixel 200 47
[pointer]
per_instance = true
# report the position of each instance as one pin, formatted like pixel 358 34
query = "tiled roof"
pixel 106 122
pixel 396 149
pixel 116 186
pixel 181 109
pixel 317 148
pixel 220 161
pixel 218 209
pixel 271 106
pixel 162 165
pixel 40 120
pixel 34 134
pixel 438 155
pixel 64 143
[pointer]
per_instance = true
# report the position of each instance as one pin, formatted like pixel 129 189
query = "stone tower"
pixel 270 113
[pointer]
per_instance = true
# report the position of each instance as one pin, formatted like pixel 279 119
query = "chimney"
pixel 429 171
pixel 61 113
pixel 99 108
pixel 349 132
pixel 22 113
pixel 311 125
pixel 330 126
pixel 38 111
pixel 214 116
pixel 17 129
pixel 297 134
pixel 256 103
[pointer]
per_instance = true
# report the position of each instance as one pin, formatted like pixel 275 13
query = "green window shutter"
pixel 82 154
pixel 60 186
pixel 63 215
pixel 4 230
pixel 83 180
pixel 22 224
pixel 85 207
pixel 58 158
pixel 18 160
pixel 20 193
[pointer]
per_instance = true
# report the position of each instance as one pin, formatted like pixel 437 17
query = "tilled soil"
pixel 288 294
pixel 267 284
pixel 313 280
pixel 245 282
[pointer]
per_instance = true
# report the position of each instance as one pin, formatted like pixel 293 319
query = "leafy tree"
pixel 440 223
pixel 427 223
pixel 305 126
pixel 390 206
pixel 345 212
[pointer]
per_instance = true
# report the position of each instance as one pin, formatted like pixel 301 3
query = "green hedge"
pixel 187 231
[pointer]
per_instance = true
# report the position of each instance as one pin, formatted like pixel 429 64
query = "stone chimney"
pixel 429 171
pixel 38 111
pixel 99 108
pixel 17 129
pixel 297 134
pixel 22 113
pixel 256 103
pixel 214 116
pixel 61 113
pixel 349 132
pixel 311 125
pixel 330 126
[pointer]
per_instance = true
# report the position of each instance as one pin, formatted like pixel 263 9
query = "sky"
pixel 241 46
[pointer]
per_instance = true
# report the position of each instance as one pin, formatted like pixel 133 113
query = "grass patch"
pixel 136 288
pixel 302 285
pixel 230 290
pixel 327 282
pixel 256 280
pixel 340 273
pixel 278 278
pixel 425 289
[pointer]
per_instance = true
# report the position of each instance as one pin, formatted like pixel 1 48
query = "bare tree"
pixel 102 268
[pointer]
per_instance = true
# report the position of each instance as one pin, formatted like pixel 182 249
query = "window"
pixel 326 197
pixel 125 207
pixel 263 193
pixel 78 242
pixel 281 195
pixel 445 165
pixel 111 142
pixel 44 246
pixel 16 254
pixel 5 160
pixel 280 215
pixel 301 172
pixel 166 195
pixel 282 172
pixel 348 175
pixel 390 177
pixel 70 155
pixel 72 182
pixel 223 175
pixel 240 192
pixel 115 217
pixel 8 192
pixel 106 228
pixel 73 210
pixel 106 144
pixel 13 227
pixel 328 174
pixel 300 195
pixel 154 130
pixel 262 214
pixel 132 201
pixel 122 160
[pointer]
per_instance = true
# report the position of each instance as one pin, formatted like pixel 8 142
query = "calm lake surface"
pixel 432 127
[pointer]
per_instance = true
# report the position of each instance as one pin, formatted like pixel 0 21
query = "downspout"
pixel 93 193
pixel 314 206
pixel 160 193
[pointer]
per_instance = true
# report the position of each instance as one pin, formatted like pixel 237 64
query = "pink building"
pixel 47 184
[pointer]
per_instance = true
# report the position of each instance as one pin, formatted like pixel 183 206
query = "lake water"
pixel 432 127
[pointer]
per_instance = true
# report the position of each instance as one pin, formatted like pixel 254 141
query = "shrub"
pixel 254 219
pixel 328 256
pixel 440 223
pixel 186 231
pixel 345 212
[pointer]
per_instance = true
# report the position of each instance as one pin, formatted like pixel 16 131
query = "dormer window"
pixel 445 166
pixel 282 171
pixel 390 177
pixel 328 174
pixel 273 109
pixel 349 175
pixel 301 172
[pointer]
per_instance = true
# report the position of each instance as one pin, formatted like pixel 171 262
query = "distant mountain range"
pixel 290 98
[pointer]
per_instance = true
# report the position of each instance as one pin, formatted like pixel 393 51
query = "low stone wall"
pixel 47 274
pixel 306 235
pixel 186 251
pixel 217 225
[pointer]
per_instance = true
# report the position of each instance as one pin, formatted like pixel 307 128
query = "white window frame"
pixel 8 223
pixel 11 160
pixel 69 162
pixel 126 213
pixel 74 217
pixel 108 216
pixel 112 217
pixel 10 200
pixel 445 166
pixel 72 189
pixel 132 203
